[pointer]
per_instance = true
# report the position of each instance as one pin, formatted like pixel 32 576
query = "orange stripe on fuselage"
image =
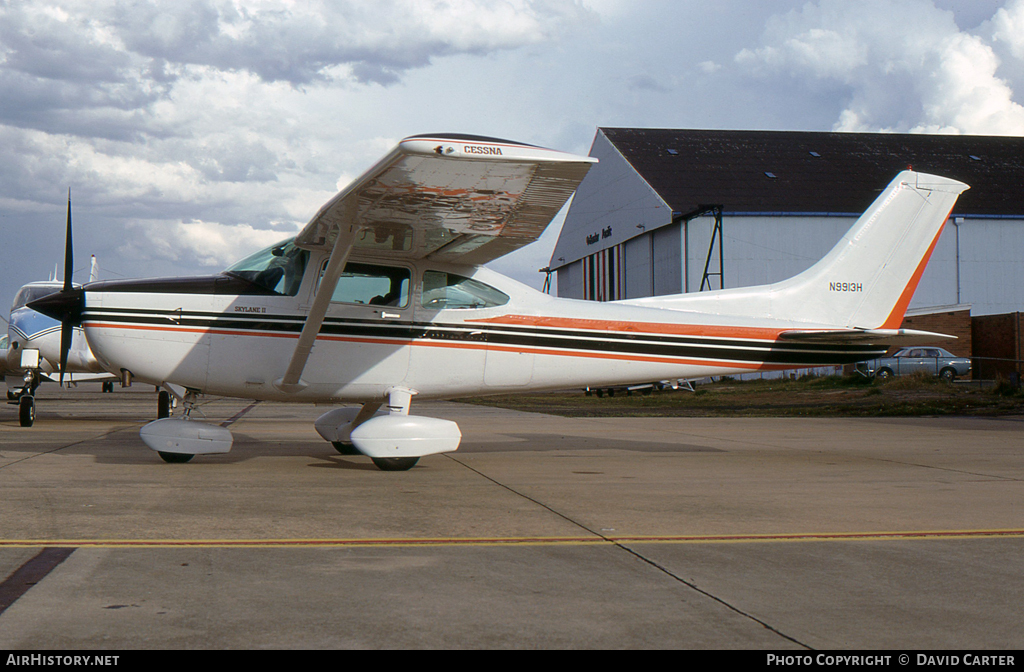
pixel 747 365
pixel 187 330
pixel 713 331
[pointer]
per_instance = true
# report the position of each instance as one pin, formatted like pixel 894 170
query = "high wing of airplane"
pixel 382 297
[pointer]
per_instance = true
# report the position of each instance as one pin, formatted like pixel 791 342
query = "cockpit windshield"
pixel 32 292
pixel 278 268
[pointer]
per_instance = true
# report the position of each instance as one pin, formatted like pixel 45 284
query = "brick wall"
pixel 954 323
pixel 997 338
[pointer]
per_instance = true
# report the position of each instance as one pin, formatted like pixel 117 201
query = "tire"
pixel 163 405
pixel 27 411
pixel 108 387
pixel 175 458
pixel 345 448
pixel 885 374
pixel 948 375
pixel 395 463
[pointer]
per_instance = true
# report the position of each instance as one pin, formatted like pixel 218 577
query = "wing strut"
pixel 292 381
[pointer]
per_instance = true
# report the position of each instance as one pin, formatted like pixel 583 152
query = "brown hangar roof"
pixel 817 173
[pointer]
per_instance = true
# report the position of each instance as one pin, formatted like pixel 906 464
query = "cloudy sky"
pixel 192 132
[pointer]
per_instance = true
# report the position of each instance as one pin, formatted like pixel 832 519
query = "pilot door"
pixel 364 338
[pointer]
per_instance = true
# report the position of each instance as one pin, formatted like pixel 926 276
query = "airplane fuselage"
pixel 236 344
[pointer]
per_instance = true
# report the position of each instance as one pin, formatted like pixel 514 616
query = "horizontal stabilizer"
pixel 866 336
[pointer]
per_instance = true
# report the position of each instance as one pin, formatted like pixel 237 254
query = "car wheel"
pixel 885 374
pixel 948 375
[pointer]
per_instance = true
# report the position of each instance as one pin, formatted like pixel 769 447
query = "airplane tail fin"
pixel 864 284
pixel 869 277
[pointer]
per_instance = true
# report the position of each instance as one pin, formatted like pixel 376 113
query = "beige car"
pixel 935 361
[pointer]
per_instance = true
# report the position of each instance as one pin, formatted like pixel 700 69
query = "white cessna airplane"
pixel 382 297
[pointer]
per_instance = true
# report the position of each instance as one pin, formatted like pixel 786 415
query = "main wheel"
pixel 395 463
pixel 345 448
pixel 27 410
pixel 163 404
pixel 175 458
pixel 108 387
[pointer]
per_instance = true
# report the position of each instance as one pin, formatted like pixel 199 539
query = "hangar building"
pixel 669 211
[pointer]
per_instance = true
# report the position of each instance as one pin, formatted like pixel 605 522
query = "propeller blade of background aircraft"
pixel 66 326
pixel 69 255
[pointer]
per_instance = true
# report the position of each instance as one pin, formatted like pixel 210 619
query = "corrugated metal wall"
pixel 763 249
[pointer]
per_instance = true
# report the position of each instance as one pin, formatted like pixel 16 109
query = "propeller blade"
pixel 66 333
pixel 69 256
pixel 67 321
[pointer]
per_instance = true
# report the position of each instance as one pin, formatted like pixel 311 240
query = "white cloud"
pixel 902 65
pixel 299 41
pixel 1008 27
pixel 210 245
pixel 193 132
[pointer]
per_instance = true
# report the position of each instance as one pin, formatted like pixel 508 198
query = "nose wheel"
pixel 27 410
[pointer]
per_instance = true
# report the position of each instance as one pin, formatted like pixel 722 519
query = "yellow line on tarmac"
pixel 824 536
pixel 511 541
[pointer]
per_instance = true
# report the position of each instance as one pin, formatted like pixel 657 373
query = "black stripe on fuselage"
pixel 596 342
pixel 222 284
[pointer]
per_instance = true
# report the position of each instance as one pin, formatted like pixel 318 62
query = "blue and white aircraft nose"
pixel 28 324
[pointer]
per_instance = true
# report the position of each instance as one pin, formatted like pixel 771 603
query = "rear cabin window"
pixel 372 285
pixel 443 290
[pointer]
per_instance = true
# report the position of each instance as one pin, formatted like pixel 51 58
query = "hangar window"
pixel 446 290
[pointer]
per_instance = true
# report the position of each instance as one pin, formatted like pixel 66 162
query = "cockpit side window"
pixel 278 268
pixel 369 284
pixel 443 290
